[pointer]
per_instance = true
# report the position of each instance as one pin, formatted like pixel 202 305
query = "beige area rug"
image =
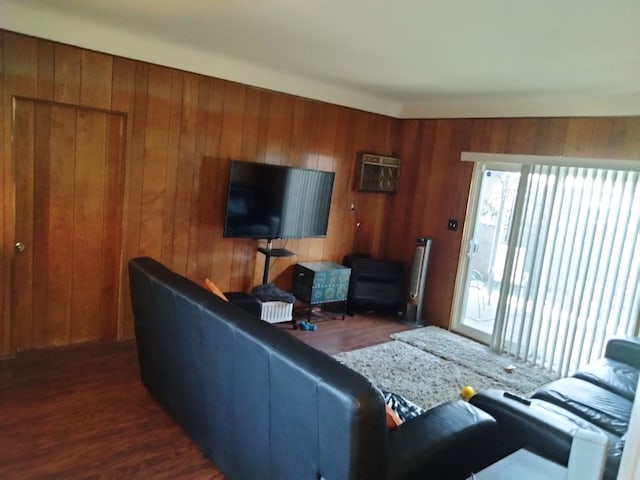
pixel 430 365
pixel 425 379
pixel 523 379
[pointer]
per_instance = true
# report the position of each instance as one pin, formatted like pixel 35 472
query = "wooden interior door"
pixel 69 173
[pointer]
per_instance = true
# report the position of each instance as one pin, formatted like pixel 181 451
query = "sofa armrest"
pixel 625 350
pixel 444 442
pixel 533 424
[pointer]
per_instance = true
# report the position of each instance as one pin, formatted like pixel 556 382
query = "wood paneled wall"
pixel 434 183
pixel 182 131
pixel 183 128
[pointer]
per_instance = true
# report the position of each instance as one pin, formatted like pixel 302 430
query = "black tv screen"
pixel 272 201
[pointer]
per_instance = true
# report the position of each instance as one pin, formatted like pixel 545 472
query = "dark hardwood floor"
pixel 81 412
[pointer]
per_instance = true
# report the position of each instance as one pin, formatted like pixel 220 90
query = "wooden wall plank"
pixel 343 234
pixel 327 129
pixel 243 255
pixel 67 74
pixel 122 100
pixel 522 135
pixel 625 139
pixel 279 129
pixel 173 151
pixel 208 194
pixel 498 135
pixel 228 106
pixel 96 79
pixel 264 115
pixel 20 66
pixel 202 120
pixel 6 184
pixel 185 172
pixel 578 138
pixel 20 73
pixel 61 195
pixel 135 161
pixel 251 120
pixel 155 161
pixel 114 167
pixel 41 221
pixel 551 136
pixel 88 221
pixel 45 70
pixel 22 325
pixel 368 203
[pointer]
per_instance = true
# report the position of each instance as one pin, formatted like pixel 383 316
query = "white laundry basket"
pixel 275 312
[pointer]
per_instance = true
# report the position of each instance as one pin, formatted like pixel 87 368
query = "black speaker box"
pixel 375 284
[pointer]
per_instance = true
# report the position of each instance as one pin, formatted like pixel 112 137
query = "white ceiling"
pixel 404 58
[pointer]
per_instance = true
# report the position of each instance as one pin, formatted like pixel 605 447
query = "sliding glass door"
pixel 578 237
pixel 493 197
pixel 551 265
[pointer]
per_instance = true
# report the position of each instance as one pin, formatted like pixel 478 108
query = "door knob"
pixel 20 247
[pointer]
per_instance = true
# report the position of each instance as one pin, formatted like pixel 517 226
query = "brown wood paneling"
pixel 173 152
pixel 154 180
pixel 87 225
pixel 137 101
pixel 578 137
pixel 60 246
pixel 7 204
pixel 96 81
pixel 625 138
pixel 185 173
pixel 19 77
pixel 443 192
pixel 22 290
pixel 182 129
pixel 227 104
pixel 42 170
pixel 67 74
pixel 46 68
pixel 112 232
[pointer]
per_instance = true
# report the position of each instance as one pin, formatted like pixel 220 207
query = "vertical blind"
pixel 576 231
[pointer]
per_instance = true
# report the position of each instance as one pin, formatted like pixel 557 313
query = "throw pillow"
pixel 404 408
pixel 393 420
pixel 213 288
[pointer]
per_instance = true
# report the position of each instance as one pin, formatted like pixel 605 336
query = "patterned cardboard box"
pixel 321 282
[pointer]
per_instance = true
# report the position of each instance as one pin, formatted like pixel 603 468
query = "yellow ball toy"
pixel 467 392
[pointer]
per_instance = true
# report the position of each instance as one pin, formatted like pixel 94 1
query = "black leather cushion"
pixel 456 433
pixel 259 402
pixel 615 444
pixel 601 407
pixel 544 428
pixel 617 377
pixel 624 349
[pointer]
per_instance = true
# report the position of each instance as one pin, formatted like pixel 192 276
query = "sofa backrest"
pixel 260 403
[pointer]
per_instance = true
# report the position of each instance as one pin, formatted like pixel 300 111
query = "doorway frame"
pixel 8 345
pixel 468 233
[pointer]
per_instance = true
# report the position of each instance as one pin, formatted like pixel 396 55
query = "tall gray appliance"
pixel 418 277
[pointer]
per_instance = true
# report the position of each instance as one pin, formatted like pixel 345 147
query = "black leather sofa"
pixel 261 404
pixel 599 397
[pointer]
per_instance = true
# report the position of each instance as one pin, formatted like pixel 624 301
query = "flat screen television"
pixel 273 201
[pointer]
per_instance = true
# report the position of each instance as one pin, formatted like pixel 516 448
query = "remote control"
pixel 512 396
